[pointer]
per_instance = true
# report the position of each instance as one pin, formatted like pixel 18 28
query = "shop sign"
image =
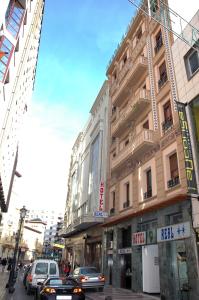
pixel 139 238
pixel 100 214
pixel 125 251
pixel 101 196
pixel 173 232
pixel 186 142
pixel 59 246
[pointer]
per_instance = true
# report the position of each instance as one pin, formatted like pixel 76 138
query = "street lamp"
pixel 13 272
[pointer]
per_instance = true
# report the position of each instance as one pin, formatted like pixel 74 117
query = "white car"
pixel 40 270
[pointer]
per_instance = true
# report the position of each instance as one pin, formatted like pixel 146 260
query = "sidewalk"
pixel 3 280
pixel 119 294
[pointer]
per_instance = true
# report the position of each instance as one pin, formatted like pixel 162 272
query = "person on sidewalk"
pixel 3 263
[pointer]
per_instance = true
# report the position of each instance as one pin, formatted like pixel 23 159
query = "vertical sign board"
pixel 101 196
pixel 186 142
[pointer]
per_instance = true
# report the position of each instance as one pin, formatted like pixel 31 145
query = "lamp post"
pixel 13 272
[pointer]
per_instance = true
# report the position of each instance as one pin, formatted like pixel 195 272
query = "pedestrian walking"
pixel 4 263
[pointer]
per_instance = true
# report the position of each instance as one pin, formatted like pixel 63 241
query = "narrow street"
pixel 116 294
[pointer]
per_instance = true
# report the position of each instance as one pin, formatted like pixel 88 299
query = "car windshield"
pixel 61 281
pixel 89 271
pixel 41 268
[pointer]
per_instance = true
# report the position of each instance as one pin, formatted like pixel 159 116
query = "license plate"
pixel 64 297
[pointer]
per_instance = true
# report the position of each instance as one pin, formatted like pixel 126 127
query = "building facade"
pixel 86 188
pixel 20 22
pixel 149 240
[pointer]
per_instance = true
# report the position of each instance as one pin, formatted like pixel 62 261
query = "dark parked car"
pixel 89 278
pixel 59 288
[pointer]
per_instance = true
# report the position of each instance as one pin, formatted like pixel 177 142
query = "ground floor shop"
pixel 85 248
pixel 154 253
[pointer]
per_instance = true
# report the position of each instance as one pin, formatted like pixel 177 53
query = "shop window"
pixel 163 75
pixel 127 190
pixel 159 42
pixel 168 120
pixel 14 17
pixel 6 50
pixel 146 125
pixel 192 62
pixel 174 173
pixel 148 192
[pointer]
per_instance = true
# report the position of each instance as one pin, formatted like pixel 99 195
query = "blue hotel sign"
pixel 173 232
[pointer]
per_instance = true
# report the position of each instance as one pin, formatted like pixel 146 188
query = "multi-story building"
pixel 149 240
pixel 50 217
pixel 186 64
pixel 86 188
pixel 20 22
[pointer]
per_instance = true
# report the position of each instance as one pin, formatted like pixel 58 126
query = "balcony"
pixel 129 75
pixel 134 107
pixel 138 145
pixel 173 182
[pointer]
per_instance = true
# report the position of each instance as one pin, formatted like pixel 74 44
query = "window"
pixel 53 269
pixel 168 120
pixel 159 42
pixel 139 34
pixel 14 17
pixel 163 75
pixel 6 49
pixel 126 237
pixel 148 192
pixel 126 204
pixel 41 268
pixel 174 173
pixel 112 210
pixel 191 62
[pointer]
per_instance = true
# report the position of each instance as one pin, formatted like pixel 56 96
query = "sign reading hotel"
pixel 173 232
pixel 101 196
pixel 139 238
pixel 186 142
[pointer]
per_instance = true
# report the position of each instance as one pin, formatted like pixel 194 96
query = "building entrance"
pixel 126 273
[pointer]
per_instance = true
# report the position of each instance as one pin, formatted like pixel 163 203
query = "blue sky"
pixel 78 39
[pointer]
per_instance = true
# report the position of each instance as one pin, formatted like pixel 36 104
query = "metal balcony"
pixel 138 145
pixel 136 105
pixel 173 182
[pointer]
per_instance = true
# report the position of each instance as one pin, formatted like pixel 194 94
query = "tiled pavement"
pixel 119 294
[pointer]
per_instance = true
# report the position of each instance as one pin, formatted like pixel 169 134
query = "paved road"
pixel 116 294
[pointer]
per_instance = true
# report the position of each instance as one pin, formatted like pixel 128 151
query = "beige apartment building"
pixel 149 240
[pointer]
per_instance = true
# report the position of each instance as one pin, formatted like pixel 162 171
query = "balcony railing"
pixel 134 107
pixel 112 211
pixel 163 79
pixel 6 47
pixel 167 124
pixel 140 144
pixel 148 194
pixel 173 182
pixel 14 17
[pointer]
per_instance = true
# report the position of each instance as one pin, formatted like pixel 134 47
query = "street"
pixel 115 293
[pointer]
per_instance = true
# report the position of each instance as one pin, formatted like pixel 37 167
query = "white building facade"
pixel 86 187
pixel 20 22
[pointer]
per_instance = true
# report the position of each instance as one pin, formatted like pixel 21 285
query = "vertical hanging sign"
pixel 101 196
pixel 186 142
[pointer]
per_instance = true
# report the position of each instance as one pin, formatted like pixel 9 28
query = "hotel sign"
pixel 139 238
pixel 186 142
pixel 101 196
pixel 173 232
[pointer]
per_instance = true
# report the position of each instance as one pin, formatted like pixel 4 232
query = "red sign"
pixel 139 238
pixel 101 196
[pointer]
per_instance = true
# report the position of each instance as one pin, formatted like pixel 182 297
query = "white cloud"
pixel 44 156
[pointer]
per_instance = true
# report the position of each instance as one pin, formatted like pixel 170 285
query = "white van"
pixel 39 271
